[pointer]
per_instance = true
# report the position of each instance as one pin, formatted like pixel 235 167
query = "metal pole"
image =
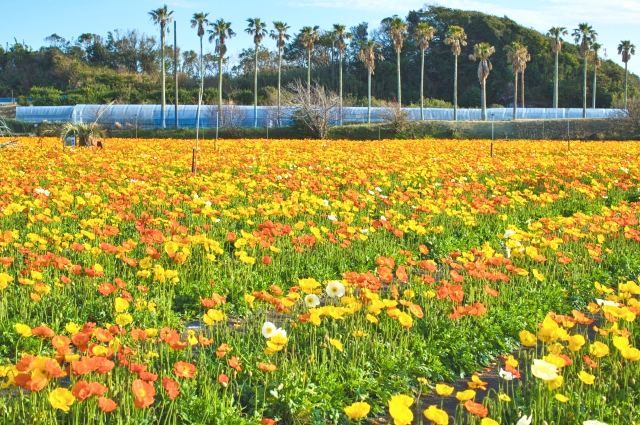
pixel 217 123
pixel 175 67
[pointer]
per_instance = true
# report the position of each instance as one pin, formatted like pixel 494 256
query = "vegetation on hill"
pixel 125 67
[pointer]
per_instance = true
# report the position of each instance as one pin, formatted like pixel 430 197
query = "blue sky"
pixel 32 20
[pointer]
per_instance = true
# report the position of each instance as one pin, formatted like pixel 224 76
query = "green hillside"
pixel 123 66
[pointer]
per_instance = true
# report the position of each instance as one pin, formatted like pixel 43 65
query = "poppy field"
pixel 310 282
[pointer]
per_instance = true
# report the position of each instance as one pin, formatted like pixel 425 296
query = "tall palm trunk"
pixel 340 88
pixel 522 89
pixel 219 90
pixel 399 79
pixel 422 85
pixel 515 97
pixel 595 85
pixel 163 96
pixel 200 93
pixel 484 99
pixel 255 90
pixel 175 66
pixel 455 89
pixel 555 82
pixel 584 88
pixel 626 77
pixel 279 82
pixel 309 75
pixel 369 105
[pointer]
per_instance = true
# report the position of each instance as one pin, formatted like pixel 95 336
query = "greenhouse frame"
pixel 149 116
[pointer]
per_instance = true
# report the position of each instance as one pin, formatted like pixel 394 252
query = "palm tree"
pixel 423 35
pixel 258 29
pixel 200 21
pixel 340 37
pixel 626 49
pixel 481 53
pixel 368 55
pixel 309 36
pixel 279 33
pixel 556 47
pixel 596 63
pixel 396 28
pixel 525 57
pixel 457 39
pixel 585 36
pixel 162 17
pixel 514 58
pixel 220 32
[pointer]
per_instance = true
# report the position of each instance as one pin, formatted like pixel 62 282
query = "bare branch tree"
pixel 316 108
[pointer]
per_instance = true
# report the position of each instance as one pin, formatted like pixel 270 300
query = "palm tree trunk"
pixel 584 88
pixel 522 89
pixel 175 64
pixel 219 90
pixel 595 85
pixel 422 86
pixel 399 79
pixel 309 75
pixel 455 89
pixel 279 81
pixel 340 83
pixel 626 77
pixel 484 100
pixel 255 91
pixel 555 82
pixel 163 96
pixel 369 105
pixel 515 96
pixel 200 93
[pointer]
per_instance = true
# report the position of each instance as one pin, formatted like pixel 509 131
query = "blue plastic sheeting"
pixel 149 116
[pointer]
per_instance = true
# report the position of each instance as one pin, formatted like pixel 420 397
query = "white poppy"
pixel 311 301
pixel 280 332
pixel 268 329
pixel 594 422
pixel 335 289
pixel 525 420
pixel 507 376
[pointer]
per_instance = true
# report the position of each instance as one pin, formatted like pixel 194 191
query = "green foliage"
pixel 124 67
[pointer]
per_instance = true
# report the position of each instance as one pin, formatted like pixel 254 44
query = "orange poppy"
pixel 143 393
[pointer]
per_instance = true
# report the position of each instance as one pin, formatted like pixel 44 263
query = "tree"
pixel 258 30
pixel 514 58
pixel 423 35
pixel 340 38
pixel 315 107
pixel 626 49
pixel 556 47
pixel 309 36
pixel 279 33
pixel 396 28
pixel 368 55
pixel 221 31
pixel 524 57
pixel 585 36
pixel 162 17
pixel 481 53
pixel 457 39
pixel 200 20
pixel 595 47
